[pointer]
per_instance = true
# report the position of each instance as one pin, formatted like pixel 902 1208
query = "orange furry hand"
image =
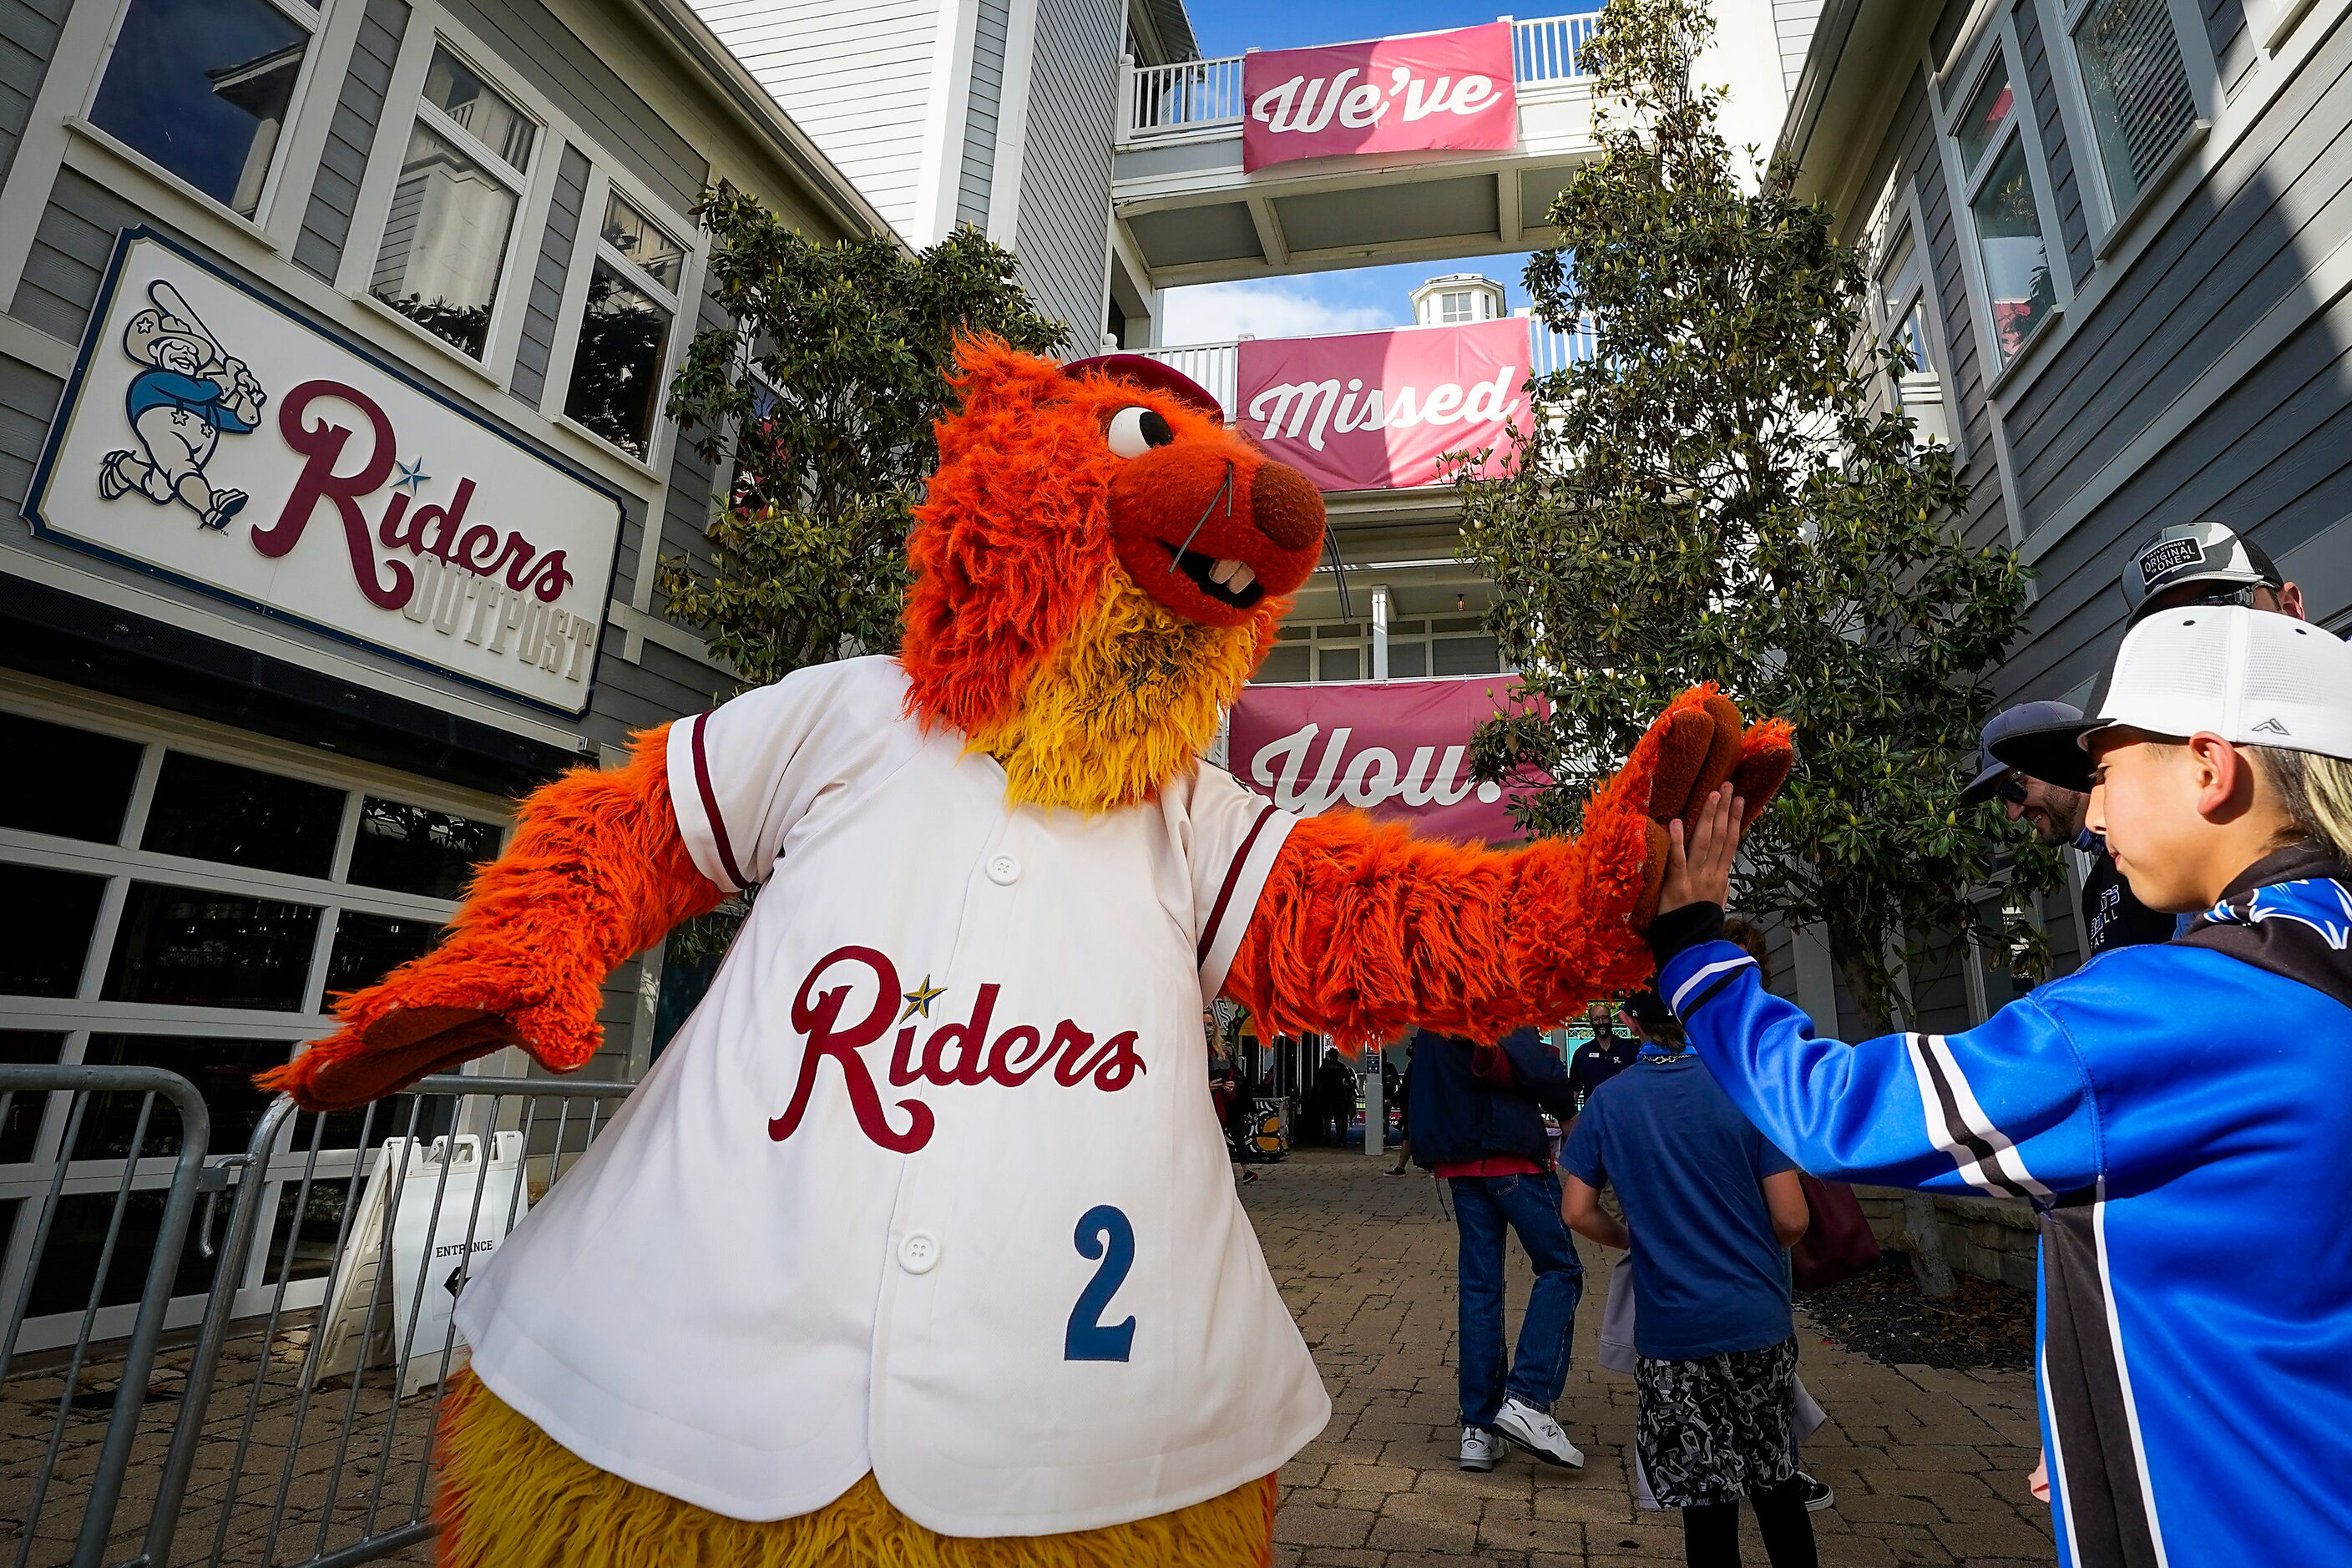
pixel 596 871
pixel 1364 931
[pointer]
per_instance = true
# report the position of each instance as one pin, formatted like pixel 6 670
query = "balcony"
pixel 1186 212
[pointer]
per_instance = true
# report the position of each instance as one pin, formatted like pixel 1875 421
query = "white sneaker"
pixel 1529 1428
pixel 1480 1448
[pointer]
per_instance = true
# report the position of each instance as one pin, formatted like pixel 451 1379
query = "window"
pixel 624 344
pixel 1919 390
pixel 2137 85
pixel 1456 305
pixel 193 905
pixel 452 211
pixel 203 89
pixel 2006 211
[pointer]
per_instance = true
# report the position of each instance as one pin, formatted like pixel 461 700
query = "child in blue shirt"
pixel 1715 1205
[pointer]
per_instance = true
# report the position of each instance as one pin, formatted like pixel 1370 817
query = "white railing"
pixel 1216 367
pixel 1203 95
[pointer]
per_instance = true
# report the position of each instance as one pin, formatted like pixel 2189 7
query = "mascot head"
pixel 1100 565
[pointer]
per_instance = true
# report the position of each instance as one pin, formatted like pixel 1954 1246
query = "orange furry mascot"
pixel 918 1246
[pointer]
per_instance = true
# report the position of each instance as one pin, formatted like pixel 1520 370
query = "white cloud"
pixel 1220 313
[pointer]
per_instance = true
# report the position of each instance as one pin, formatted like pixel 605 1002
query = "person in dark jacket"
pixel 1476 1115
pixel 1602 1057
pixel 2112 918
pixel 1334 1100
pixel 2195 1356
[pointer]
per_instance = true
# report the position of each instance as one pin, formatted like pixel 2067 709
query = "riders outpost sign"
pixel 211 437
pixel 1382 410
pixel 1450 91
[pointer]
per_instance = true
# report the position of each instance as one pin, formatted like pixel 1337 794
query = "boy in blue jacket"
pixel 2195 1354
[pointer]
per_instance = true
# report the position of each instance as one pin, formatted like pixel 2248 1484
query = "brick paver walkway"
pixel 1929 1466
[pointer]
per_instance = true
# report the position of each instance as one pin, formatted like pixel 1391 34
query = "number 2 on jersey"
pixel 1103 1232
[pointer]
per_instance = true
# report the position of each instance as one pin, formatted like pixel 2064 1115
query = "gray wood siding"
pixel 546 297
pixel 2273 453
pixel 68 256
pixel 28 398
pixel 29 35
pixel 351 137
pixel 2233 43
pixel 984 114
pixel 534 45
pixel 2073 220
pixel 1066 202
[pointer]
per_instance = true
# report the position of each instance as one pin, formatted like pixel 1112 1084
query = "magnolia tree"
pixel 1718 494
pixel 822 392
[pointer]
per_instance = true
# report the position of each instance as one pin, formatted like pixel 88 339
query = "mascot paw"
pixel 1696 747
pixel 358 1064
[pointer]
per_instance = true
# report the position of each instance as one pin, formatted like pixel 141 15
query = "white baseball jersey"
pixel 930 1184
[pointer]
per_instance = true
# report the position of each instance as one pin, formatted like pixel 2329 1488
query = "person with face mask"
pixel 2112 917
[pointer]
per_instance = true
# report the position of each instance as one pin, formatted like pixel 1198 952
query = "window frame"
pixel 588 248
pixel 318 22
pixel 1900 223
pixel 429 28
pixel 121 862
pixel 1998 45
pixel 2108 222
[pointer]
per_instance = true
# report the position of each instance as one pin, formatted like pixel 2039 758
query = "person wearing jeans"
pixel 1476 1115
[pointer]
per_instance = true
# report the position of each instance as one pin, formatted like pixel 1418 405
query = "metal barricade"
pixel 311 1365
pixel 85 1167
pixel 282 1457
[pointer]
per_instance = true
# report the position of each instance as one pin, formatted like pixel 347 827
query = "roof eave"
pixel 1845 94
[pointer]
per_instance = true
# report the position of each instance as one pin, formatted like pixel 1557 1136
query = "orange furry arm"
pixel 1363 933
pixel 596 871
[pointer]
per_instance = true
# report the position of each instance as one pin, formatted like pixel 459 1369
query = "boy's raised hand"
pixel 1699 852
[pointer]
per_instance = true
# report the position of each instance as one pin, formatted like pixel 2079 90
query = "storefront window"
pixel 452 216
pixel 414 849
pixel 20 1122
pixel 203 89
pixel 79 789
pixel 50 918
pixel 368 947
pixel 616 367
pixel 184 947
pixel 221 1071
pixel 208 810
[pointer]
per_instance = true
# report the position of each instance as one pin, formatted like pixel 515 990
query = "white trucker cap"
pixel 2251 676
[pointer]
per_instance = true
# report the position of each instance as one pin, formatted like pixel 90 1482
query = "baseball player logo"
pixel 189 395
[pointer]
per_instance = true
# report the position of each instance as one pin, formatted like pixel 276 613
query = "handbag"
pixel 1837 1243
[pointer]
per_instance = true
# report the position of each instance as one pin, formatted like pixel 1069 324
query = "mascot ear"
pixel 993 378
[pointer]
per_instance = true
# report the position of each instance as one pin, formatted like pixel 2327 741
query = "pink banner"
pixel 1377 410
pixel 1434 91
pixel 1397 749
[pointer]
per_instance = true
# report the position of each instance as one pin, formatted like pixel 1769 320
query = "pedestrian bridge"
pixel 1185 210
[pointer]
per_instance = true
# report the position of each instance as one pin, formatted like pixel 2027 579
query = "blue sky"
pixel 1357 299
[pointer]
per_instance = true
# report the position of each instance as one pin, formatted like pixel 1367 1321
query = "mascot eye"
pixel 1134 431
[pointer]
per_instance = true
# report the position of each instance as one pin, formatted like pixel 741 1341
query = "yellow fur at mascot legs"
pixel 1099 565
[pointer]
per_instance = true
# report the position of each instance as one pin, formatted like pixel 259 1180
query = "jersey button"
pixel 1003 871
pixel 919 1252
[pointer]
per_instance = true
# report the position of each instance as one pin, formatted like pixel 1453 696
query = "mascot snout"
pixel 1210 528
